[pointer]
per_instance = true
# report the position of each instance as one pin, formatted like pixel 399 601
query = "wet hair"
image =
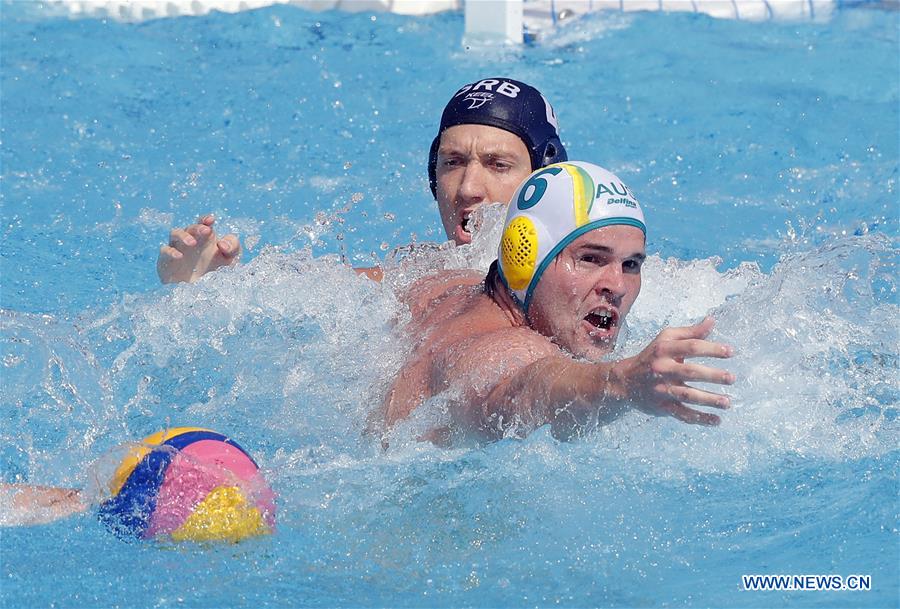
pixel 493 279
pixel 507 104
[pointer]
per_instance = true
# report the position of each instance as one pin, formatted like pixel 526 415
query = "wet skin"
pixel 476 164
pixel 500 370
pixel 587 291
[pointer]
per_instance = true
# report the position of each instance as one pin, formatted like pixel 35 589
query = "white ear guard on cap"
pixel 552 208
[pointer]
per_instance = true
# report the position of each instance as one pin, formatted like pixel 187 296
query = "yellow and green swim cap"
pixel 552 208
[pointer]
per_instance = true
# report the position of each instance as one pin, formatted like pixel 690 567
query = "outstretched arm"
pixel 534 383
pixel 655 379
pixel 194 251
pixel 24 504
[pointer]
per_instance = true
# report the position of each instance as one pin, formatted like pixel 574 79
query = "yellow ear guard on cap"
pixel 552 208
pixel 518 252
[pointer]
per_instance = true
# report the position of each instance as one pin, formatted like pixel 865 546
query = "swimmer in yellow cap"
pixel 523 346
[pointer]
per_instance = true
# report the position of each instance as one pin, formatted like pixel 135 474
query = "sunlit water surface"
pixel 766 156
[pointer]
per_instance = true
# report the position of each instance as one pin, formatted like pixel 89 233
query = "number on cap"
pixel 535 188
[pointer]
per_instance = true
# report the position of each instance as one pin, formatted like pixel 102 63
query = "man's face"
pixel 476 164
pixel 583 296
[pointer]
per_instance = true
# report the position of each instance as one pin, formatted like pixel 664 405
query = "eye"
pixel 450 160
pixel 499 164
pixel 591 259
pixel 632 266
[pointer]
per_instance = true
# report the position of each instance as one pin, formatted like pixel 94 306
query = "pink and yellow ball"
pixel 189 483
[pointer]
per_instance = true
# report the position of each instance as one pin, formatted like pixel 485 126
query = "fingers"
pixel 700 330
pixel 183 239
pixel 692 395
pixel 180 239
pixel 674 374
pixel 689 415
pixel 676 371
pixel 200 232
pixel 694 347
pixel 229 247
pixel 704 374
pixel 669 373
pixel 167 252
pixel 207 219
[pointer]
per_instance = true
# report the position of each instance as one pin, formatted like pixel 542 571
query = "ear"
pixel 553 152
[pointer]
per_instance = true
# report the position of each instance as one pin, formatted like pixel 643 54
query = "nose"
pixel 473 188
pixel 611 283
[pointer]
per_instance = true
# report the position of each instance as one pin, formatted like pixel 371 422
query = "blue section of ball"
pixel 127 513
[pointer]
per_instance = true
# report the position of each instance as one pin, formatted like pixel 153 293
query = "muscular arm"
pixel 516 379
pixel 519 380
pixel 568 394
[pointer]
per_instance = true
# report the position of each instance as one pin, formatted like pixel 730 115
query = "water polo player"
pixel 492 134
pixel 184 484
pixel 525 350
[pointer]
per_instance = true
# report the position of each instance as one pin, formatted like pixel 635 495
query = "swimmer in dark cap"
pixel 493 133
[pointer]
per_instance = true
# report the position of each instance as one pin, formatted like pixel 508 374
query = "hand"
pixel 24 504
pixel 194 251
pixel 655 378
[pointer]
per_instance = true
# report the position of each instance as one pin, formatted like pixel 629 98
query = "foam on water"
pixel 815 362
pixel 772 146
pixel 300 350
pixel 295 352
pixel 292 354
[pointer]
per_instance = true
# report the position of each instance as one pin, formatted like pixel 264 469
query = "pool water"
pixel 765 155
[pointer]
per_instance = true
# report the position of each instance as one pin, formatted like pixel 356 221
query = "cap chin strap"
pixel 511 293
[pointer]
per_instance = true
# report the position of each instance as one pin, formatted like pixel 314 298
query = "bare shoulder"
pixel 522 341
pixel 426 290
pixel 498 353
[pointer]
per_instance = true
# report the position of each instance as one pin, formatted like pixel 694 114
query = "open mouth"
pixel 470 222
pixel 602 319
pixel 464 229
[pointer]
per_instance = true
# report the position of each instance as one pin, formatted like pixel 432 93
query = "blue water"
pixel 766 157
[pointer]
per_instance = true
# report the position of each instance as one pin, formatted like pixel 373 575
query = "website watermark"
pixel 811 583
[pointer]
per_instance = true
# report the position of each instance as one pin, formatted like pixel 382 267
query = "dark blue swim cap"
pixel 509 105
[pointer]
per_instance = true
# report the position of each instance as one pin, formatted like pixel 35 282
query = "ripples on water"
pixel 291 352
